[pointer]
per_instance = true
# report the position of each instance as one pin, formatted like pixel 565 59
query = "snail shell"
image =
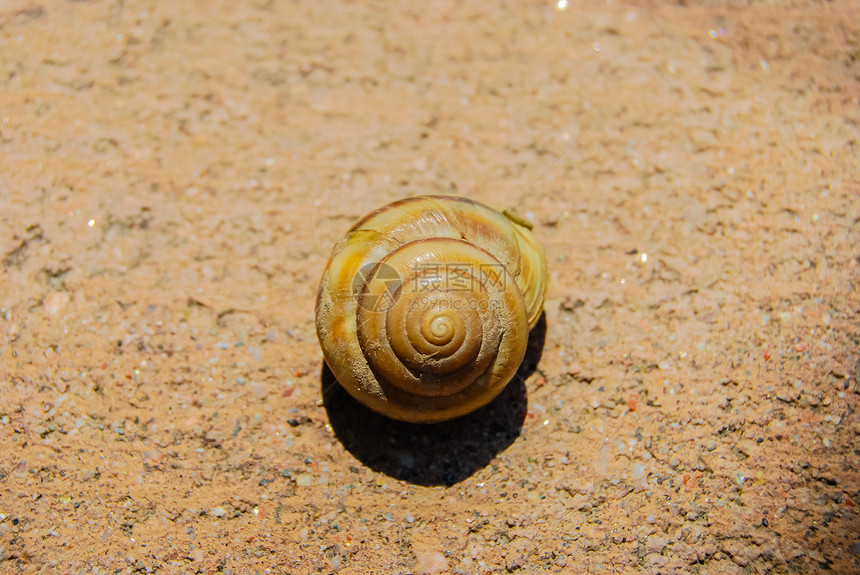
pixel 424 308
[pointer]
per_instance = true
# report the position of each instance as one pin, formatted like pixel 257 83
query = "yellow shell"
pixel 424 308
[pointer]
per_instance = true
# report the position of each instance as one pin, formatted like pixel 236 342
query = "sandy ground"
pixel 689 402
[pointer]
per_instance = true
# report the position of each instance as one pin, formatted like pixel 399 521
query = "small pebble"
pixel 656 560
pixel 431 562
pixel 303 480
pixel 54 302
pixel 259 388
pixel 219 511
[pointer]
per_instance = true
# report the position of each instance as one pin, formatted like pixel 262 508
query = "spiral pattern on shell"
pixel 424 309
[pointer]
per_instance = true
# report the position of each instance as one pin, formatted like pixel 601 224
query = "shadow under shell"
pixel 438 453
